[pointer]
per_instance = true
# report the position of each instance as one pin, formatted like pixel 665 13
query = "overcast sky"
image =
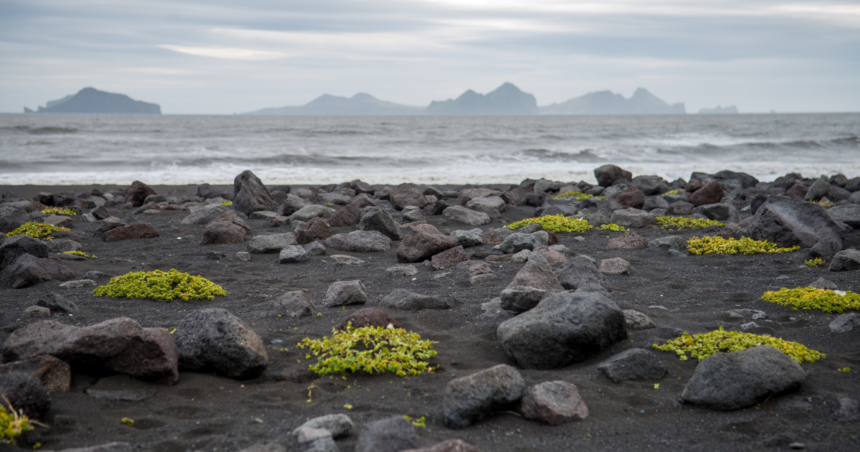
pixel 222 57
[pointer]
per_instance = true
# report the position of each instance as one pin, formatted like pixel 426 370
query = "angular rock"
pixel 368 317
pixel 825 249
pixel 848 214
pixel 359 242
pixel 614 266
pixel 315 249
pixel 346 260
pixel 490 238
pixel 608 174
pixel 627 241
pixel 637 321
pixel 61 246
pixel 12 218
pixel 336 425
pixel 349 215
pixel 404 300
pixel 522 298
pixel 78 284
pixel 18 245
pixel 401 270
pixel 520 257
pixel 536 273
pixel 680 208
pixel 26 394
pixel 710 193
pixel 61 221
pixel 222 232
pixel 450 445
pixel 312 211
pixel 271 243
pixel 551 255
pixel 672 242
pixel 27 270
pixel 407 195
pixel 465 215
pixel 290 205
pixel 519 241
pixel 250 195
pixel 412 215
pixel 490 205
pixel 55 375
pixel 553 403
pixel 342 293
pixel 819 189
pixel 205 215
pixel 137 193
pixel 215 339
pixel 845 260
pixel 731 381
pixel 468 238
pixel 579 272
pixel 655 202
pixel 422 242
pixel 57 303
pixel 292 254
pixel 796 191
pixel 633 218
pixel 292 304
pixel 448 258
pixel 822 283
pixel 392 434
pixel 718 212
pixel 139 230
pixel 471 398
pixel 844 323
pixel 631 197
pixel 789 222
pixel 635 364
pixel 376 219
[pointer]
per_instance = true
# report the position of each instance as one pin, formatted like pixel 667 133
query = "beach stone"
pixel 633 218
pixel 627 241
pixel 650 185
pixel 290 205
pixel 448 258
pixel 564 328
pixel 536 273
pixel 614 266
pixel 631 197
pixel 467 195
pixel 205 215
pixel 292 254
pixel 271 243
pixel 710 193
pixel 474 268
pixel 844 323
pixel 655 202
pixel 819 189
pixel 578 272
pixel 359 242
pixel 222 232
pixel 306 213
pixel 718 212
pixel 392 434
pixel 471 398
pixel 374 317
pixel 551 255
pixel 672 242
pixel 315 249
pixel 465 215
pixel 522 298
pixel 401 270
pixel 207 191
pixel 12 218
pixel 62 245
pixel 119 344
pixel 520 257
pixel 334 425
pixel 215 339
pixel 490 237
pixel 59 221
pixel 349 215
pixel 554 403
pixel 789 222
pixel 519 241
pixel 412 215
pixel 487 204
pixel 848 214
pixel 57 303
pixel 637 321
pixel 346 260
pixel 26 394
pixel 422 242
pixel 35 312
pixel 846 260
pixel 635 364
pixel 404 300
pixel 680 208
pixel 407 195
pixel 342 293
pixel 18 245
pixel 480 279
pixel 100 213
pixel 376 219
pixel 78 284
pixel 139 230
pixel 608 174
pixel 822 283
pixel 292 304
pixel 54 374
pixel 468 238
pixel 796 191
pixel 731 381
pixel 27 270
pixel 137 193
pixel 243 256
pixel 825 249
pixel 449 445
pixel 250 195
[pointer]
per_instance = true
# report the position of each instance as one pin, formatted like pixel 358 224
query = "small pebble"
pixel 797 446
pixel 782 277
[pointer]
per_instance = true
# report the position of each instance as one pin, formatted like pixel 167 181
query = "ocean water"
pixel 104 149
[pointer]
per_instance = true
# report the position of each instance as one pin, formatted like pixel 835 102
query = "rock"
pixel 635 364
pixel 448 258
pixel 271 243
pixel 36 312
pixel 108 447
pixel 848 214
pixel 265 215
pixel 139 230
pixel 672 242
pixel 680 208
pixel 119 344
pixel 137 193
pixel 471 398
pixel 61 245
pixel 796 191
pixel 490 205
pixel 468 238
pixel 315 249
pixel 656 202
pixel 368 317
pixel 401 270
pixel 465 215
pixel 789 222
pixel 342 293
pixel 349 215
pixel 312 211
pixel 205 215
pixel 536 273
pixel 710 193
pixel 376 219
pixel 27 270
pixel 405 300
pixel 215 339
pixel 551 255
pixel 614 266
pixel 243 256
pixel 579 272
pixel 631 197
pixel 731 381
pixel 335 425
pixel 222 232
pixel 553 403
pixel 627 241
pixel 422 242
pixel 12 218
pixel 519 241
pixel 17 245
pixel 522 298
pixel 292 254
pixel 250 195
pixel 608 174
pixel 55 375
pixel 451 445
pixel 819 189
pixel 844 323
pixel 845 260
pixel 562 329
pixel 633 218
pixel 412 215
pixel 78 284
pixel 290 205
pixel 822 283
pixel 346 260
pixel 718 212
pixel 825 249
pixel 57 303
pixel 292 304
pixel 520 257
pixel 490 238
pixel 391 434
pixel 407 195
pixel 25 394
pixel 359 242
pixel 637 321
pixel 61 221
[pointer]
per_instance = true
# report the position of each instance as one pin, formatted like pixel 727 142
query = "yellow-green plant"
pixel 670 192
pixel 612 227
pixel 370 349
pixel 812 298
pixel 685 222
pixel 160 285
pixel 824 203
pixel 744 245
pixel 554 223
pixel 79 253
pixel 226 203
pixel 12 425
pixel 420 422
pixel 817 262
pixel 578 195
pixel 67 211
pixel 704 345
pixel 37 230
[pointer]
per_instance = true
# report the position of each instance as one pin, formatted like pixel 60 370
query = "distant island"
pixel 730 110
pixel 506 100
pixel 608 103
pixel 93 101
pixel 361 104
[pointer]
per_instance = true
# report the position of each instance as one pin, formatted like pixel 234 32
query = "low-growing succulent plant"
pixel 37 230
pixel 817 262
pixel 670 192
pixel 12 424
pixel 80 253
pixel 612 227
pixel 811 298
pixel 160 285
pixel 226 203
pixel 554 223
pixel 685 222
pixel 744 245
pixel 67 211
pixel 702 346
pixel 578 195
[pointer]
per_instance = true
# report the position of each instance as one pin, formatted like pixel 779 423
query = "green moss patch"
pixel 554 223
pixel 160 285
pixel 704 345
pixel 37 230
pixel 684 222
pixel 579 196
pixel 744 245
pixel 811 298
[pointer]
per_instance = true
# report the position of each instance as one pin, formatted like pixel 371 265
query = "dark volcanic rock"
pixel 359 242
pixel 789 222
pixel 627 241
pixel 471 398
pixel 139 230
pixel 407 195
pixel 377 219
pixel 222 232
pixel 392 434
pixel 348 215
pixel 290 205
pixel 11 218
pixel 579 272
pixel 710 193
pixel 292 304
pixel 634 364
pixel 18 245
pixel 554 403
pixel 846 260
pixel 137 193
pixel 405 300
pixel 250 195
pixel 27 270
pixel 448 258
pixel 341 293
pixel 55 375
pixel 215 339
pixel 422 242
pixel 796 191
pixel 631 197
pixel 536 273
pixel 57 303
pixel 607 174
pixel 368 317
pixel 848 214
pixel 26 394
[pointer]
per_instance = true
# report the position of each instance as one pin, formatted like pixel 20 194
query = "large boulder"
pixel 215 339
pixel 359 242
pixel 422 242
pixel 26 395
pixel 471 398
pixel 789 222
pixel 710 193
pixel 562 329
pixel 407 195
pixel 607 174
pixel 137 193
pixel 27 270
pixel 404 300
pixel 731 381
pixel 579 271
pixel 846 260
pixel 536 273
pixel 18 245
pixel 376 219
pixel 553 403
pixel 120 345
pixel 250 195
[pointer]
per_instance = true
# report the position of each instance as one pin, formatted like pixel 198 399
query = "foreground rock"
pixel 635 364
pixel 54 374
pixel 18 245
pixel 27 270
pixel 26 394
pixel 120 345
pixel 731 381
pixel 342 293
pixel 554 403
pixel 215 339
pixel 422 242
pixel 292 304
pixel 392 434
pixel 789 222
pixel 846 260
pixel 405 300
pixel 376 219
pixel 250 195
pixel 472 398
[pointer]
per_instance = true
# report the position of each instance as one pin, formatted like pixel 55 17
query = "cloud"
pixel 226 53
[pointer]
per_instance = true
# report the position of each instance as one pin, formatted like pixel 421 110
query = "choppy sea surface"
pixel 105 149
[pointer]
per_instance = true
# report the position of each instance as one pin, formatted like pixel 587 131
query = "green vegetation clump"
pixel 612 227
pixel 670 192
pixel 704 345
pixel 370 349
pixel 226 203
pixel 578 195
pixel 685 222
pixel 37 230
pixel 554 223
pixel 67 211
pixel 79 253
pixel 811 298
pixel 12 425
pixel 817 262
pixel 746 245
pixel 160 285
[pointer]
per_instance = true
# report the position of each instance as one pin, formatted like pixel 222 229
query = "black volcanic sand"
pixel 208 412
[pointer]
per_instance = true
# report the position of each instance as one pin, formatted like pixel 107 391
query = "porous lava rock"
pixel 250 195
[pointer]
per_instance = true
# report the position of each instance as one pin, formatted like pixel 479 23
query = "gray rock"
pixel 471 398
pixel 12 218
pixel 789 222
pixel 608 174
pixel 269 447
pixel 672 242
pixel 292 304
pixel 614 266
pixel 36 311
pixel 845 260
pixel 346 259
pixel 250 195
pixel 243 256
pixel 490 205
pixel 312 211
pixel 450 445
pixel 465 215
pixel 401 270
pixel 633 218
pixel 635 364
pixel 28 270
pixel 359 242
pixel 718 212
pixel 553 403
pixel 818 190
pixel 844 323
pixel 519 241
pixel 848 214
pixel 55 375
pixel 422 242
pixel 522 298
pixel 205 215
pixel 405 300
pixel 448 258
pixel 78 284
pixel 579 271
pixel 63 245
pixel 468 238
pixel 325 444
pixel 377 219
pixel 342 293
pixel 262 215
pixel 392 434
pixel 215 339
pixel 292 254
pixel 480 279
pixel 315 249
pixel 57 303
pixel 655 202
pixel 271 243
pixel 337 425
pixel 562 329
pixel 26 394
pixel 108 447
pixel 536 273
pixel 822 283
pixel 627 241
pixel 412 215
pixel 637 321
pixel 18 245
pixel 407 195
pixel 825 249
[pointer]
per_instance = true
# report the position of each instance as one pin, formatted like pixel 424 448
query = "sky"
pixel 225 57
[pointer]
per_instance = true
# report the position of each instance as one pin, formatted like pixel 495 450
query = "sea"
pixel 178 150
